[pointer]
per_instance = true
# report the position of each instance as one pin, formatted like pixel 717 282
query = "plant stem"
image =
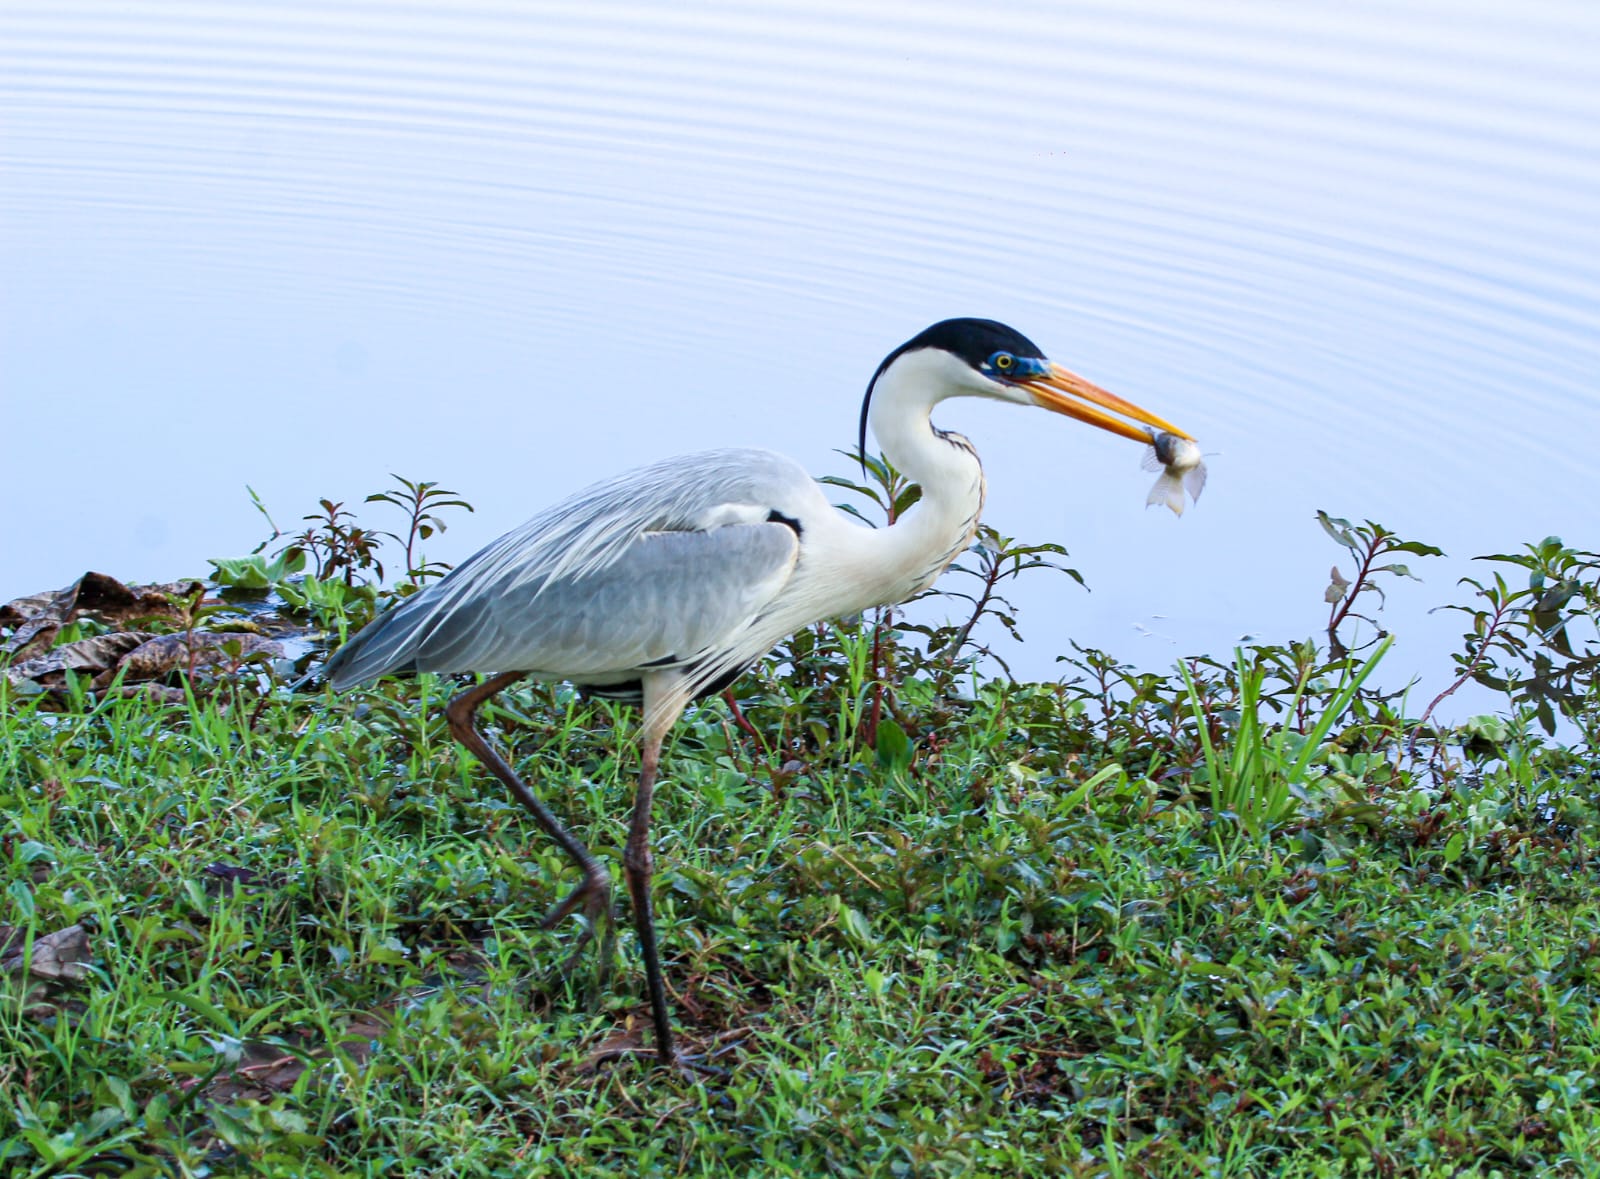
pixel 1341 608
pixel 1495 621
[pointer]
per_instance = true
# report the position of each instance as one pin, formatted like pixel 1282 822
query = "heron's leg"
pixel 640 863
pixel 741 720
pixel 593 893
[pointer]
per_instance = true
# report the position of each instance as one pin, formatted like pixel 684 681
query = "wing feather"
pixel 590 530
pixel 605 577
pixel 671 598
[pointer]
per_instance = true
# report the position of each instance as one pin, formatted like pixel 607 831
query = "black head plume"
pixel 973 340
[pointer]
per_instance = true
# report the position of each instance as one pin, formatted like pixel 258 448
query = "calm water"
pixel 1356 250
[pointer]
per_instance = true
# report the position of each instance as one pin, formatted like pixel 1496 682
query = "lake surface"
pixel 1354 248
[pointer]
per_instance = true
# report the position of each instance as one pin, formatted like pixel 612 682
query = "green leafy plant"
pixel 340 550
pixel 1258 775
pixel 893 495
pixel 993 560
pixel 421 501
pixel 1527 642
pixel 336 544
pixel 1369 545
pixel 335 604
pixel 950 648
pixel 881 484
pixel 257 572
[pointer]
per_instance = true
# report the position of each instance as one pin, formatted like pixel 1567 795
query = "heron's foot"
pixel 591 899
pixel 693 1066
pixel 707 1047
pixel 690 1065
pixel 627 1041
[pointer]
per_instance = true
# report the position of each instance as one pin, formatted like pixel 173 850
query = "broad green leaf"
pixel 205 1010
pixel 894 748
pixel 1453 847
pixel 1339 530
pixel 21 894
pixel 856 926
pixel 1416 548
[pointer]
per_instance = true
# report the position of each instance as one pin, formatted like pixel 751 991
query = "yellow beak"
pixel 1065 392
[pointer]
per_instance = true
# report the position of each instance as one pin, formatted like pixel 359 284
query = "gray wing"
pixel 655 568
pixel 672 598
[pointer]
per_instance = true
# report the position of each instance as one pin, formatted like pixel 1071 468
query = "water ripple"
pixel 1359 242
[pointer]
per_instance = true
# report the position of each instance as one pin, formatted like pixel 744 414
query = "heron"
pixel 661 585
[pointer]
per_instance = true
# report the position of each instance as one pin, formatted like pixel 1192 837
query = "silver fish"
pixel 1182 469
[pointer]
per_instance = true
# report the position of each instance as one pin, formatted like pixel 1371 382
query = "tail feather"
pixel 385 646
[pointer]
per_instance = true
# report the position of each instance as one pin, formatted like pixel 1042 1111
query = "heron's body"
pixel 710 560
pixel 681 572
pixel 665 582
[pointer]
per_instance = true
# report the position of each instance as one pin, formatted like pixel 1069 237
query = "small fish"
pixel 1182 469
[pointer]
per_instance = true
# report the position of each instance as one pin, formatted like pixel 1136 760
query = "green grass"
pixel 1027 946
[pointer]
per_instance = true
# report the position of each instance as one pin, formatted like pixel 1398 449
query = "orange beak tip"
pixel 1078 391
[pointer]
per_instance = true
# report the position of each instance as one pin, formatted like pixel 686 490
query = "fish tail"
pixel 1169 491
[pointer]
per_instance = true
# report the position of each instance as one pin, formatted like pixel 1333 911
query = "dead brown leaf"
pixel 36 618
pixel 138 656
pixel 62 956
pixel 92 656
pixel 160 655
pixel 626 1040
pixel 360 1034
pixel 45 972
pixel 266 1068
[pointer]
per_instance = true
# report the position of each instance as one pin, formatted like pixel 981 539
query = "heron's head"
pixel 982 358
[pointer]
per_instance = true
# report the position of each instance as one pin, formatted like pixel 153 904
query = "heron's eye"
pixel 1002 362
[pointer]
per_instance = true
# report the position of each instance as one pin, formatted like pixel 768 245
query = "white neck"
pixel 905 557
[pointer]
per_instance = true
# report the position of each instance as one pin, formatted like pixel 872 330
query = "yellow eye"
pixel 1003 361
